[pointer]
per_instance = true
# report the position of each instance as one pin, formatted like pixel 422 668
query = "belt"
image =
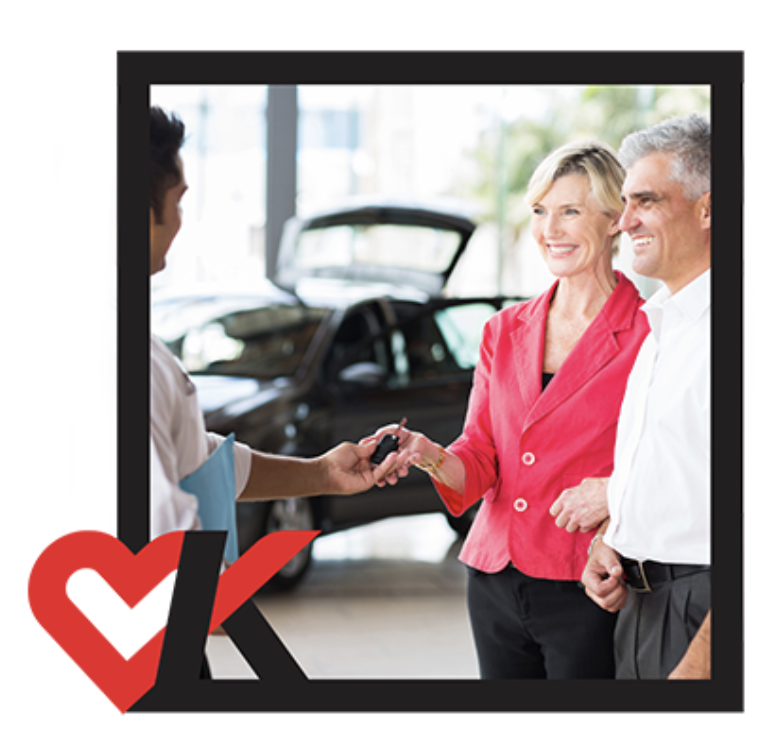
pixel 644 577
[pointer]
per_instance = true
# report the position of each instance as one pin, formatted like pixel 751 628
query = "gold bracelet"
pixel 434 467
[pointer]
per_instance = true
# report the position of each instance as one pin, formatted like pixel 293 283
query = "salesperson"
pixel 542 417
pixel 196 475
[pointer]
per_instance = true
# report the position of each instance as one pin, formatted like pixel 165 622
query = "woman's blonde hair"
pixel 590 158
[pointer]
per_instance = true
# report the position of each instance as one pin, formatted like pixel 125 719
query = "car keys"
pixel 388 444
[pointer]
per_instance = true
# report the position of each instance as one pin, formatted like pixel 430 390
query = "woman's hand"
pixel 582 508
pixel 412 447
pixel 348 469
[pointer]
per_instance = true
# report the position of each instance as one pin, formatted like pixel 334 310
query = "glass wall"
pixel 473 147
pixel 224 210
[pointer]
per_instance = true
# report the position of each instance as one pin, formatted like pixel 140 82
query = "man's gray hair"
pixel 687 139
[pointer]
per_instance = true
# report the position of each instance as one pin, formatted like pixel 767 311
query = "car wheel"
pixel 295 514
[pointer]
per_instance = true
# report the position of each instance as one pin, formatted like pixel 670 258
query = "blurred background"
pixel 474 144
pixel 384 599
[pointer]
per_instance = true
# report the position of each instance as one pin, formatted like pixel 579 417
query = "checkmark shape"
pixel 133 577
pixel 127 628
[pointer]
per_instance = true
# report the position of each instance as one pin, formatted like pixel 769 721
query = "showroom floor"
pixel 381 601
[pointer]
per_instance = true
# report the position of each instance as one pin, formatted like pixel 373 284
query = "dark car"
pixel 353 334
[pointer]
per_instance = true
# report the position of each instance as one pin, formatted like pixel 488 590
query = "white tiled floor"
pixel 380 602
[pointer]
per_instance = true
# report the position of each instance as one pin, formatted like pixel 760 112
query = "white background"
pixel 58 311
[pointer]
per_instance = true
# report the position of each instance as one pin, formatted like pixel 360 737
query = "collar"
pixel 693 300
pixel 617 313
pixel 592 353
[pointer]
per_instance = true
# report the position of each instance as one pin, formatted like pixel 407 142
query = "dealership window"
pixel 224 210
pixel 464 144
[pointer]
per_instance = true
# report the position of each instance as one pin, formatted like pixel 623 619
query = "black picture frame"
pixel 723 72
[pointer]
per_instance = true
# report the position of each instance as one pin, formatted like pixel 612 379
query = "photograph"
pixel 349 248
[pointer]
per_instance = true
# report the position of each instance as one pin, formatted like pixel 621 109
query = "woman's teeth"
pixel 561 250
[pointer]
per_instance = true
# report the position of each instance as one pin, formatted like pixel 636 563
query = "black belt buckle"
pixel 644 586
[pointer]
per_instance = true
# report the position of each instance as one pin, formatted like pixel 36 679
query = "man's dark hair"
pixel 166 135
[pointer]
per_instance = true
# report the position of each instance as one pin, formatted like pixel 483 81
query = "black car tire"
pixel 295 514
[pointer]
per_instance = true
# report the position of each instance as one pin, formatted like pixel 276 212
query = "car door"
pixel 420 368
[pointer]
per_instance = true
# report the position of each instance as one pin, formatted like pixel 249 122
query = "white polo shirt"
pixel 659 495
pixel 180 443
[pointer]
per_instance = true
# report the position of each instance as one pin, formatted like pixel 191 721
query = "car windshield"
pixel 417 247
pixel 265 342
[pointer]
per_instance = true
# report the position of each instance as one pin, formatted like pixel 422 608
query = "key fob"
pixel 388 444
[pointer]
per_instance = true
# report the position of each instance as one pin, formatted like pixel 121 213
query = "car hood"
pixel 400 243
pixel 232 395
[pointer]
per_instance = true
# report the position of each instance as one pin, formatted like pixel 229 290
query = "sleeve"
pixel 173 412
pixel 242 460
pixel 163 418
pixel 172 509
pixel 475 446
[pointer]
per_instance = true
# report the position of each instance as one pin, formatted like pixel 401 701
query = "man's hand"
pixel 411 446
pixel 344 470
pixel 603 578
pixel 348 470
pixel 582 508
pixel 696 663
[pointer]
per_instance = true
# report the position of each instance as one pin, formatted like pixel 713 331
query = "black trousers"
pixel 527 628
pixel 655 629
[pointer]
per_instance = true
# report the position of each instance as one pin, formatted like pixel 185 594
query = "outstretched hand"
pixel 349 470
pixel 411 445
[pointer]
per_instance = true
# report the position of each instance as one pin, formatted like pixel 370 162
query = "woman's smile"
pixel 561 249
pixel 573 233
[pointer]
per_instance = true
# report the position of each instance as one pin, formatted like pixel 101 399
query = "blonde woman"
pixel 542 418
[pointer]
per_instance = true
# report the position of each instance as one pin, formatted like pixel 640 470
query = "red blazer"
pixel 521 447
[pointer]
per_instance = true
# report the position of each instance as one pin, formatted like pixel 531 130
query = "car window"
pixel 263 343
pixel 415 247
pixel 357 341
pixel 462 328
pixel 438 343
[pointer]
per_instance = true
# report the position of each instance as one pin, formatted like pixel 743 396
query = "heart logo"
pixel 127 628
pixel 133 577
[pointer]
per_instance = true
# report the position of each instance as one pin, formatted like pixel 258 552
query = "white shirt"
pixel 180 443
pixel 659 496
pixel 171 507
